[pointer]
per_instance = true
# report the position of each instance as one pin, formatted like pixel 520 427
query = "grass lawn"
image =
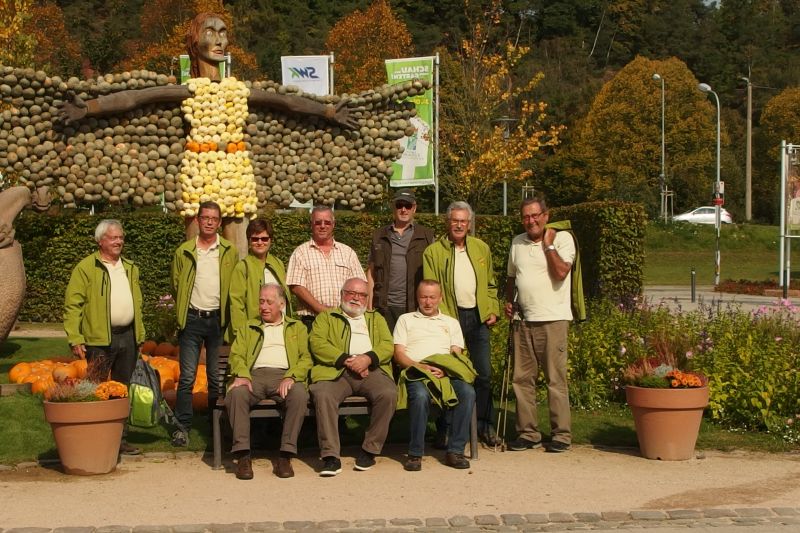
pixel 747 251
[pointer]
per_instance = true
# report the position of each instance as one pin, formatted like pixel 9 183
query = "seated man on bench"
pixel 352 351
pixel 269 359
pixel 428 347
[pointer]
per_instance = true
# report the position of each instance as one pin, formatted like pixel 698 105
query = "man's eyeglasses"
pixel 323 223
pixel 362 295
pixel 403 205
pixel 533 216
pixel 261 239
pixel 208 219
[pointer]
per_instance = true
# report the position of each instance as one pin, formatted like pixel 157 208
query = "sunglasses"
pixel 403 205
pixel 323 223
pixel 261 239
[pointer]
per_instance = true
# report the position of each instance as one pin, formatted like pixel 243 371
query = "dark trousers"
pixel 116 360
pixel 476 337
pixel 198 331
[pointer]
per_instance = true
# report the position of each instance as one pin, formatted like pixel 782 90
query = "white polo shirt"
pixel 424 336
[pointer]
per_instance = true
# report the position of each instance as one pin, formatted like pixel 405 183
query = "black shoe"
pixel 128 449
pixel 180 439
pixel 558 447
pixel 440 443
pixel 413 464
pixel 456 460
pixel 330 467
pixel 523 444
pixel 365 461
pixel 489 438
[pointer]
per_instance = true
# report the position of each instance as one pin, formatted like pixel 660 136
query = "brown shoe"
pixel 244 468
pixel 413 464
pixel 456 460
pixel 283 468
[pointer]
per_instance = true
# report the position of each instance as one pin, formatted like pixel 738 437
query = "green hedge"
pixel 610 236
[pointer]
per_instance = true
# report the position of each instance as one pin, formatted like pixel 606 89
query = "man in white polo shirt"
pixel 428 346
pixel 539 265
pixel 269 359
pixel 103 310
pixel 201 279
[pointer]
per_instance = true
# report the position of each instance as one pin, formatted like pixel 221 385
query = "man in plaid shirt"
pixel 318 268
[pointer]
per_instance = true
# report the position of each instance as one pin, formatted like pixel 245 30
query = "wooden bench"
pixel 352 405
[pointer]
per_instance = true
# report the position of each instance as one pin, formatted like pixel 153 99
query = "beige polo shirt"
pixel 466 284
pixel 273 351
pixel 205 292
pixel 121 310
pixel 424 336
pixel 359 335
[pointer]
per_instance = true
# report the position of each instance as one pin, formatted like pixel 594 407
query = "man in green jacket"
pixel 352 350
pixel 462 265
pixel 201 278
pixel 103 310
pixel 269 359
pixel 254 271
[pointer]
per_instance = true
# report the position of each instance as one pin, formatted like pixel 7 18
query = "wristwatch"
pixel 549 248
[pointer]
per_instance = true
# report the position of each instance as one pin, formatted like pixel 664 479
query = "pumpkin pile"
pixel 45 374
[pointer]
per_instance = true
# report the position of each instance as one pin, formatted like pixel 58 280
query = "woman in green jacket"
pixel 257 269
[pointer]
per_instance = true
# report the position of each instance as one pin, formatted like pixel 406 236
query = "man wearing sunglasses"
pixel 319 268
pixel 395 260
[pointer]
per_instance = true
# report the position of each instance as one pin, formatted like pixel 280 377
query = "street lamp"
pixel 662 179
pixel 505 123
pixel 748 187
pixel 706 88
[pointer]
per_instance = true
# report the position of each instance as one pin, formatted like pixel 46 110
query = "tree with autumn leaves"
pixel 491 127
pixel 362 41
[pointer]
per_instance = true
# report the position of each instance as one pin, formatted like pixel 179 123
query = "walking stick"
pixel 502 415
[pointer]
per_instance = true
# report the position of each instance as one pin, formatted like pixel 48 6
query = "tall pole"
pixel 717 199
pixel 748 188
pixel 662 179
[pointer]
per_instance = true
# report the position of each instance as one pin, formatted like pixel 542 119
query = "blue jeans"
pixel 476 337
pixel 198 331
pixel 459 417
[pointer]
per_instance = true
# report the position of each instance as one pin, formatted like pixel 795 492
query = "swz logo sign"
pixel 304 73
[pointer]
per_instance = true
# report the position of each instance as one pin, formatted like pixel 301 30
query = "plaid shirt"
pixel 322 275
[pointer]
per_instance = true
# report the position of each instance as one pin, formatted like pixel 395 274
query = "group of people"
pixel 411 331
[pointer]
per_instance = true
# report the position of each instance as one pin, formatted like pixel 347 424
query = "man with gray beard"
pixel 352 350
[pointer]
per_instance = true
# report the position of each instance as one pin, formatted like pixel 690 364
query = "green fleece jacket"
pixel 576 285
pixel 330 343
pixel 441 390
pixel 438 263
pixel 250 339
pixel 88 298
pixel 184 270
pixel 246 282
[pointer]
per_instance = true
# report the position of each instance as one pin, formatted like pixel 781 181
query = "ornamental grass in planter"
pixel 87 420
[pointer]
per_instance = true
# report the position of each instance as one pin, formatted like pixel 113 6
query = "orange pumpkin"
pixel 148 347
pixel 164 349
pixel 170 396
pixel 63 372
pixel 241 146
pixel 200 401
pixel 19 372
pixel 80 367
pixel 42 385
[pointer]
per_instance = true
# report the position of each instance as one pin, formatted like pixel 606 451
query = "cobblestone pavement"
pixel 760 519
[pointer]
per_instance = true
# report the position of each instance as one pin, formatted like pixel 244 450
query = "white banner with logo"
pixel 310 73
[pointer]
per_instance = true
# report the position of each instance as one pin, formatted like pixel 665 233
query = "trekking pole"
pixel 502 415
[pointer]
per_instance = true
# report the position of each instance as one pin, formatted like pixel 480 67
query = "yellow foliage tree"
pixel 16 46
pixel 362 41
pixel 491 125
pixel 55 50
pixel 164 27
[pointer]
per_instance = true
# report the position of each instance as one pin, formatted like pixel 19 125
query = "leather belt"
pixel 203 314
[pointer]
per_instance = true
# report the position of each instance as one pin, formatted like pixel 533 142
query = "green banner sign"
pixel 415 166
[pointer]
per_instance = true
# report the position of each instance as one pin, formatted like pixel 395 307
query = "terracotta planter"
pixel 88 434
pixel 667 420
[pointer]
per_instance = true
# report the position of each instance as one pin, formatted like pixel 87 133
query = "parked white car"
pixel 704 215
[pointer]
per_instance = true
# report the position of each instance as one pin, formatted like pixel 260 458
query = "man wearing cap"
pixel 395 260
